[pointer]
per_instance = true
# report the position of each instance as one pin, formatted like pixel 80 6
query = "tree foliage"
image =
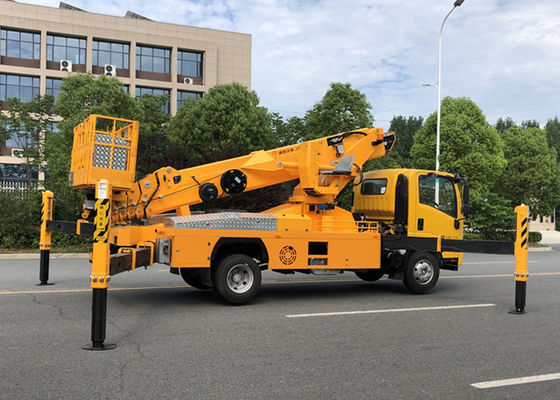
pixel 405 129
pixel 531 175
pixel 341 109
pixel 227 122
pixel 552 129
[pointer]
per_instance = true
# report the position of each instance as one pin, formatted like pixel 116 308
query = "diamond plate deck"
pixel 236 221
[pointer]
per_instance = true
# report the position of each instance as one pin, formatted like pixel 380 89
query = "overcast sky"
pixel 503 54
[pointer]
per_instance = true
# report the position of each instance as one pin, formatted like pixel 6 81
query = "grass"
pixel 77 248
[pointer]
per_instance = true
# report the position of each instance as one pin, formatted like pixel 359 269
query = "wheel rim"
pixel 240 278
pixel 423 272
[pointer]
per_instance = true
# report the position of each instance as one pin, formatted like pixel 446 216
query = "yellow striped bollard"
pixel 521 258
pixel 45 238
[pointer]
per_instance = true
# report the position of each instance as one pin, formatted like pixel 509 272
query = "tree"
pixel 26 124
pixel 532 175
pixel 470 147
pixel 552 128
pixel 227 122
pixel 341 109
pixel 153 145
pixel 530 124
pixel 80 96
pixel 502 125
pixel 289 132
pixel 404 129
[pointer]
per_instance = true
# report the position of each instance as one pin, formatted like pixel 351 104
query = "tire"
pixel 369 275
pixel 237 278
pixel 192 277
pixel 422 272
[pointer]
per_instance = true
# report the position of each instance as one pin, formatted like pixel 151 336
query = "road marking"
pixel 516 381
pixel 494 262
pixel 268 282
pixel 329 314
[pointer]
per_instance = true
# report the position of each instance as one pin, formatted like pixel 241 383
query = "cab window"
pixel 374 186
pixel 447 201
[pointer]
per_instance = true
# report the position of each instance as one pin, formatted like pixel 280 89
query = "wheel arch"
pixel 252 247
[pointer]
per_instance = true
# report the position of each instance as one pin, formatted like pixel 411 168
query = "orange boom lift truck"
pixel 405 223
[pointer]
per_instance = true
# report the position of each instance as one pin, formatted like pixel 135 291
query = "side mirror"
pixel 465 207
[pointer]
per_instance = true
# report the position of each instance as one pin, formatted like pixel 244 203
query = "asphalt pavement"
pixel 303 337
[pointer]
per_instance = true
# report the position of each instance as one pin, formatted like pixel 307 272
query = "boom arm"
pixel 323 167
pixel 169 189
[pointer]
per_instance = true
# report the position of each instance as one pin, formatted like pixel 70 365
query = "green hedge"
pixel 20 220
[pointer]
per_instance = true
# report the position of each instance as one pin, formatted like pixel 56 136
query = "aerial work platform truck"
pixel 404 223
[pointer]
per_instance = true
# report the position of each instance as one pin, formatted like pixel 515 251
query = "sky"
pixel 503 54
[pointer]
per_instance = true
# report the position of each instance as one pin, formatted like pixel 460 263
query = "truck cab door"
pixel 436 208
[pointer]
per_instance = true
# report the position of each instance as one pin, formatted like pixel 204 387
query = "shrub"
pixel 535 237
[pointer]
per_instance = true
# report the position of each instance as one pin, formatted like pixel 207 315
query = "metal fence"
pixel 18 184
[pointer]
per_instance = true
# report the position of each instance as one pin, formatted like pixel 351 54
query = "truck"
pixel 406 224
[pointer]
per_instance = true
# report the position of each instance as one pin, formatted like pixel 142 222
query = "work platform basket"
pixel 104 148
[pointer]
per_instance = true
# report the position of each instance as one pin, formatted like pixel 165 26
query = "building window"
pixel 189 63
pixel 182 96
pixel 12 174
pixel 152 59
pixel 66 48
pixel 126 88
pixel 24 88
pixel 141 91
pixel 110 53
pixel 53 87
pixel 20 44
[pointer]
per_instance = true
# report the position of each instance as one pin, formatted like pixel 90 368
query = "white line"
pixel 516 381
pixel 494 262
pixel 388 310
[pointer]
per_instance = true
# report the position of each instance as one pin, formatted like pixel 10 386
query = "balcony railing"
pixel 18 184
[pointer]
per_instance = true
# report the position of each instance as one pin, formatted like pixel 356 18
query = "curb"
pixel 35 256
pixel 539 249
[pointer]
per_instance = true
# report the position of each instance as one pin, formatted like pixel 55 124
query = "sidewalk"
pixel 35 256
pixel 550 237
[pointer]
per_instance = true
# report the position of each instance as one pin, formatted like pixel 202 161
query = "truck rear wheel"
pixel 369 275
pixel 192 277
pixel 422 272
pixel 237 278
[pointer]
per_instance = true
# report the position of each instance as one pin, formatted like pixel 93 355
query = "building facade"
pixel 40 45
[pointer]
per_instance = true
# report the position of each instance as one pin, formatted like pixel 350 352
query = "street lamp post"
pixel 438 84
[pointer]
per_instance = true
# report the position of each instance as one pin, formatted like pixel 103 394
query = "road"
pixel 369 341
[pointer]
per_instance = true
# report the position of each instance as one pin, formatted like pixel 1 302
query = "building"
pixel 41 45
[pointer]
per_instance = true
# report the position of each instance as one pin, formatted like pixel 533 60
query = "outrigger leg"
pixel 100 267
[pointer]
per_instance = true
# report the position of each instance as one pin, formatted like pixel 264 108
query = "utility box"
pixel 104 148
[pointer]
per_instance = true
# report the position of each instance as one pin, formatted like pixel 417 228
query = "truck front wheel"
pixel 422 272
pixel 237 278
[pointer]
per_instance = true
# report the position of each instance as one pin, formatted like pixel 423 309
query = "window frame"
pixel 386 181
pixel 52 38
pixel 35 44
pixel 199 63
pixel 143 50
pixel 454 213
pixel 4 86
pixel 125 55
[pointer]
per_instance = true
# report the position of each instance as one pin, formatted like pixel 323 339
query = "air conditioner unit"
pixel 188 81
pixel 66 65
pixel 17 152
pixel 110 70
